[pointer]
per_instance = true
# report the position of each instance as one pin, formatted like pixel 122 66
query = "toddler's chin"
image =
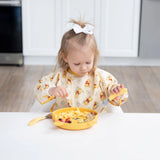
pixel 82 74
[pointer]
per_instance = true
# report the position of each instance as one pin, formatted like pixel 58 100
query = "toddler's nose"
pixel 83 68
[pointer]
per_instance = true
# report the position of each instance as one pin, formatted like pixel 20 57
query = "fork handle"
pixel 35 120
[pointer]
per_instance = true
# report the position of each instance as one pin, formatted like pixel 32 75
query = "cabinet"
pixel 116 21
pixel 150 29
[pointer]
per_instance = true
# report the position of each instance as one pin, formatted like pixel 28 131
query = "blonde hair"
pixel 82 39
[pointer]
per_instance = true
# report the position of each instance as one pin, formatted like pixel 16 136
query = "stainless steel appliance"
pixel 150 29
pixel 11 32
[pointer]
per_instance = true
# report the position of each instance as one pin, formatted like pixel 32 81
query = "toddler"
pixel 76 81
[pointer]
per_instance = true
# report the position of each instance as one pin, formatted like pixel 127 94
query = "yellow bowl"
pixel 75 123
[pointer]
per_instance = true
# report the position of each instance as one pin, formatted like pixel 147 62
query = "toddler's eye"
pixel 88 62
pixel 76 64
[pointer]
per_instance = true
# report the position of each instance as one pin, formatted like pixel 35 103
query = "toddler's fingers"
pixel 60 93
pixel 57 94
pixel 112 92
pixel 66 93
pixel 121 86
pixel 117 98
pixel 115 90
pixel 119 89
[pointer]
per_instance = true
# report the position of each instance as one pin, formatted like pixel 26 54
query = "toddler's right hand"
pixel 59 91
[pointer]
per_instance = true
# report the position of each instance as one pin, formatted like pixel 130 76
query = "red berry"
pixel 67 119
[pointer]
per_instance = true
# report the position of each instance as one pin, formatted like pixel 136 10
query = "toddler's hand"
pixel 117 89
pixel 58 91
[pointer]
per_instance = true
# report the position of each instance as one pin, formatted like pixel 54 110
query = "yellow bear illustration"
pixel 69 80
pixel 88 100
pixel 87 83
pixel 78 92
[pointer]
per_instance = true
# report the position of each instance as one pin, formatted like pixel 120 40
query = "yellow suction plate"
pixel 78 122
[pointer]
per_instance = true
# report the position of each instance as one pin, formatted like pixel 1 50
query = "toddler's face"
pixel 80 60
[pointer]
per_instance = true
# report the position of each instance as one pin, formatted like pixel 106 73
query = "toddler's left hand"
pixel 117 90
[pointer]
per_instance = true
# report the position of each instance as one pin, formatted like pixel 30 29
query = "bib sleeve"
pixel 108 82
pixel 44 84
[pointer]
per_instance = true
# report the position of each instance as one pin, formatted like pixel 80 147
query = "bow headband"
pixel 88 29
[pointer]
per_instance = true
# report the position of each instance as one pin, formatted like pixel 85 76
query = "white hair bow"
pixel 88 29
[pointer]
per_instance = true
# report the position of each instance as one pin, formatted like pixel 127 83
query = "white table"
pixel 114 137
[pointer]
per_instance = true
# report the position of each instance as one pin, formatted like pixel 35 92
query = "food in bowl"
pixel 74 118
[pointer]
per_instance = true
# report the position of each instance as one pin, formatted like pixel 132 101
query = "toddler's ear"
pixel 64 58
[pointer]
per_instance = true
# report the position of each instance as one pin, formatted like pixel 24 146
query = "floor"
pixel 143 83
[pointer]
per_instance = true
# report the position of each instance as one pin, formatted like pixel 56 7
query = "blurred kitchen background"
pixel 127 33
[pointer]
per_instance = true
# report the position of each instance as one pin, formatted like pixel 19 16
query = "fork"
pixel 35 120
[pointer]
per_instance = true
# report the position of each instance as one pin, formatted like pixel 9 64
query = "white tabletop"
pixel 114 137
